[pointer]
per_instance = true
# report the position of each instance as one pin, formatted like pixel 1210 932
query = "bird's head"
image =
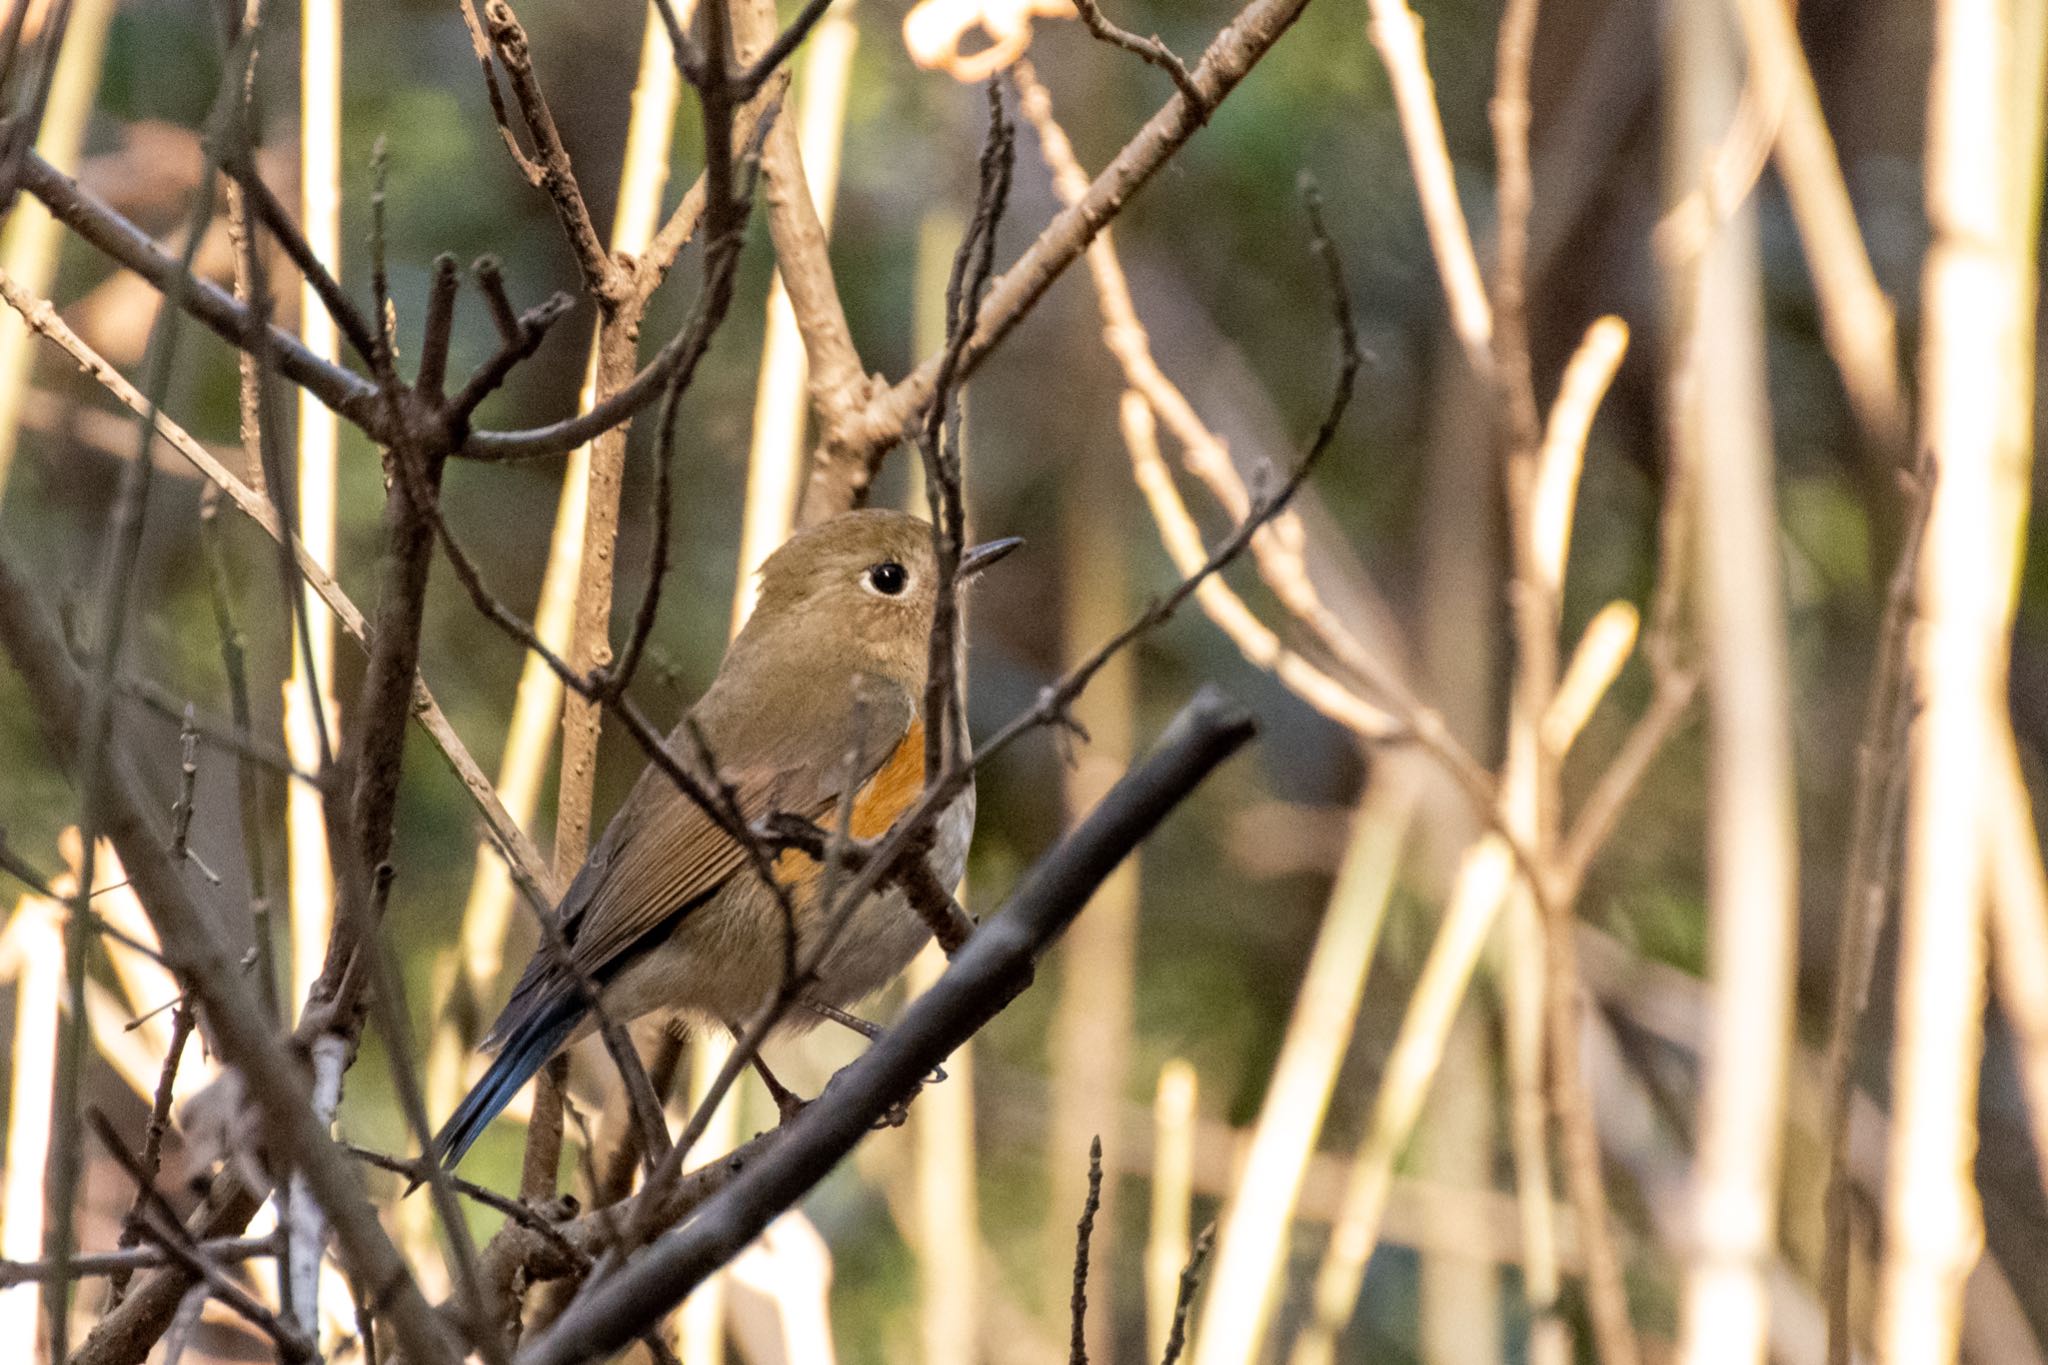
pixel 861 587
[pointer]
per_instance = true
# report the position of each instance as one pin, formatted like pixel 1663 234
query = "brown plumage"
pixel 822 689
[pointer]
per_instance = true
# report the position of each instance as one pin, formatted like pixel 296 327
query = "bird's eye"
pixel 888 578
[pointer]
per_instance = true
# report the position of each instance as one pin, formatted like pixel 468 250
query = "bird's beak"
pixel 978 557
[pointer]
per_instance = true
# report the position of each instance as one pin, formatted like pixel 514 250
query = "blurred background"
pixel 1159 1025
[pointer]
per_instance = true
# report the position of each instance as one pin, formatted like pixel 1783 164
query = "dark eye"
pixel 888 578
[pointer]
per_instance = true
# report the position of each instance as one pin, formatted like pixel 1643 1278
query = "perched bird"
pixel 822 690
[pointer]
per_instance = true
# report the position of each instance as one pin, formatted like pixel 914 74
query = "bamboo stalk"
pixel 309 690
pixel 1173 1179
pixel 29 246
pixel 2019 886
pixel 1252 1241
pixel 2019 929
pixel 1722 423
pixel 948 1204
pixel 1090 1036
pixel 34 953
pixel 1966 578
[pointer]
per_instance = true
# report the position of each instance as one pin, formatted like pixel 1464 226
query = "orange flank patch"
pixel 876 806
pixel 892 789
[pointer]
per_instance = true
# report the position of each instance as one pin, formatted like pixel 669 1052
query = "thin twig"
pixel 1397 33
pixel 1154 51
pixel 161 1223
pixel 188 783
pixel 1184 1300
pixel 749 82
pixel 549 169
pixel 938 437
pixel 224 1251
pixel 182 1021
pixel 1861 907
pixel 227 736
pixel 1084 1233
pixel 271 212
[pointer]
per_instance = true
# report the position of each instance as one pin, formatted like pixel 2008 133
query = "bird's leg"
pixel 843 1019
pixel 788 1104
pixel 861 1026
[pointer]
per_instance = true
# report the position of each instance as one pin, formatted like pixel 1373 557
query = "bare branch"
pixel 989 972
pixel 1084 1233
pixel 549 168
pixel 161 1223
pixel 1151 49
pixel 241 1031
pixel 88 216
pixel 1184 1300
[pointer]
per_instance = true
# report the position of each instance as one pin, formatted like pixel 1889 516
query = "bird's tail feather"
pixel 527 1050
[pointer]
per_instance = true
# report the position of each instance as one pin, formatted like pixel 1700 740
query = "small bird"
pixel 822 690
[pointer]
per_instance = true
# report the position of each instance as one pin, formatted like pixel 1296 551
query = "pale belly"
pixel 726 959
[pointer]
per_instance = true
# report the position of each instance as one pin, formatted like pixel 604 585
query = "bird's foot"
pixel 867 1030
pixel 897 1114
pixel 788 1104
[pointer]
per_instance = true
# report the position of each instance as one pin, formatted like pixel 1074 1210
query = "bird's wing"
pixel 662 854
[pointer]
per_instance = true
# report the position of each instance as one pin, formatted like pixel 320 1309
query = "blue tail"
pixel 525 1051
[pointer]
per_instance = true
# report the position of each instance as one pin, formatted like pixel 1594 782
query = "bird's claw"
pixel 788 1104
pixel 897 1114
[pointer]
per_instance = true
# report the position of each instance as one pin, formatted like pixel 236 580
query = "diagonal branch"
pixel 71 204
pixel 993 969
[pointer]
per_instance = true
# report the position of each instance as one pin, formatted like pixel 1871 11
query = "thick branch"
pixel 994 967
